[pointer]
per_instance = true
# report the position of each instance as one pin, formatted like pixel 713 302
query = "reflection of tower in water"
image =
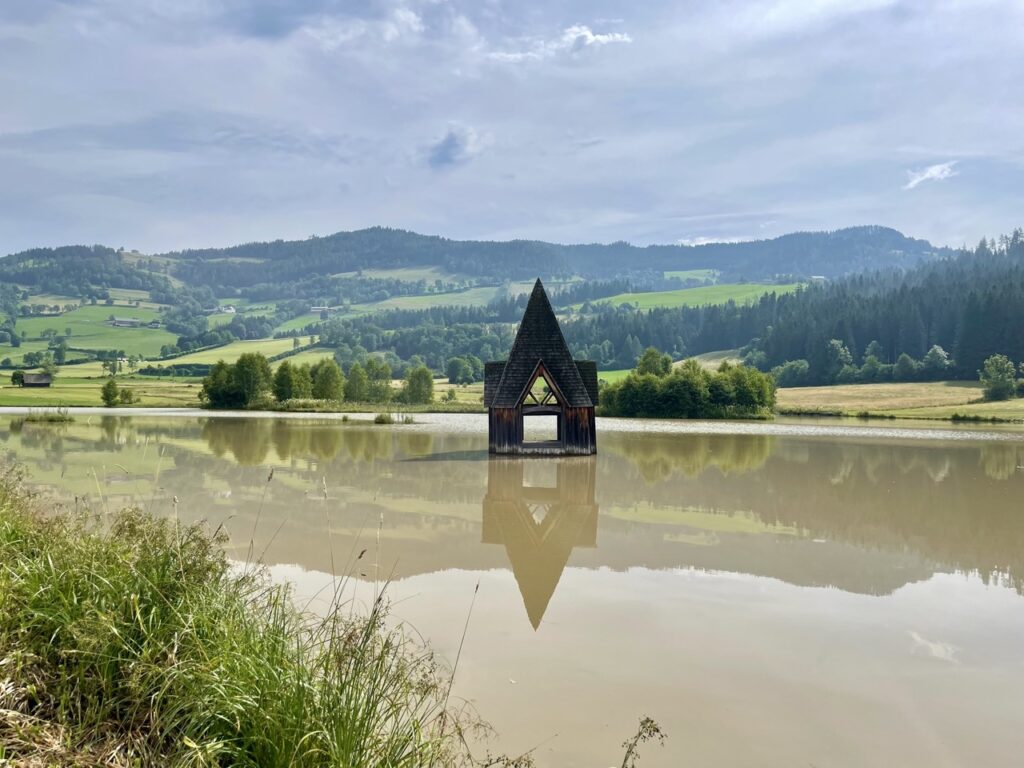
pixel 540 525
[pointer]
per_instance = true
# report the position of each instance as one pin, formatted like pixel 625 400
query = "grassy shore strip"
pixel 153 392
pixel 938 400
pixel 135 643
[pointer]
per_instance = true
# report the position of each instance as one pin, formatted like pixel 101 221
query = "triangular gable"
pixel 539 373
pixel 540 340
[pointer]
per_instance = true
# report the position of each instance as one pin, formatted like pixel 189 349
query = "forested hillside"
pixel 801 254
pixel 78 270
pixel 402 296
pixel 972 306
pixel 330 269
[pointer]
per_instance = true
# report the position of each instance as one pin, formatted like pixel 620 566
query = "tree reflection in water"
pixel 764 504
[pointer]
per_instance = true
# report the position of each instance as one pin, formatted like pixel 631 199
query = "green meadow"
pixel 298 323
pixel 91 329
pixel 741 293
pixel 75 391
pixel 473 297
pixel 231 352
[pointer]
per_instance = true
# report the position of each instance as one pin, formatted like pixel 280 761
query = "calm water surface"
pixel 791 594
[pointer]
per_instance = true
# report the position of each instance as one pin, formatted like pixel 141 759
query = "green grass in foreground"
pixel 745 293
pixel 134 642
pixel 127 641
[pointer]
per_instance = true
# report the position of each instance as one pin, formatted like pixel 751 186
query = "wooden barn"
pixel 540 378
pixel 37 380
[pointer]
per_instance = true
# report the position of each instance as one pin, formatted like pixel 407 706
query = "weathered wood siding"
pixel 577 433
pixel 505 429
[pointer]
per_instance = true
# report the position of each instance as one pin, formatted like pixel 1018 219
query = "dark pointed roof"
pixel 540 340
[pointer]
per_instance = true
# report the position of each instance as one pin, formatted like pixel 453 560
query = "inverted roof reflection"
pixel 540 525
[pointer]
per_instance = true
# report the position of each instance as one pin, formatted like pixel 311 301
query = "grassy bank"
pixel 133 642
pixel 153 392
pixel 941 400
pixel 150 392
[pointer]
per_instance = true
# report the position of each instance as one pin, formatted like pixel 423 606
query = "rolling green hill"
pixel 410 295
pixel 696 297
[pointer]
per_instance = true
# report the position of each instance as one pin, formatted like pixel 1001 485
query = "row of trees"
pixel 250 382
pixel 837 367
pixel 656 389
pixel 972 306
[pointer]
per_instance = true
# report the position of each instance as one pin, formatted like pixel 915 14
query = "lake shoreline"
pixel 816 425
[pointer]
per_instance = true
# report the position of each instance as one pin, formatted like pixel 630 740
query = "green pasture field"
pixel 91 329
pixel 51 298
pixel 17 354
pixel 69 391
pixel 613 376
pixel 851 399
pixel 917 400
pixel 474 297
pixel 213 322
pixel 128 296
pixel 465 394
pixel 298 323
pixel 741 293
pixel 231 352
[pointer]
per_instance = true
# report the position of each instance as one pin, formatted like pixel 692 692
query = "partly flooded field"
pixel 790 594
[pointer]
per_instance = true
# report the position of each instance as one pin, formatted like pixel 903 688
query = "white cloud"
pixel 779 15
pixel 401 23
pixel 936 172
pixel 574 39
pixel 332 32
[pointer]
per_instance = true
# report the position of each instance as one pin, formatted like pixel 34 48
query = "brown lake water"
pixel 787 594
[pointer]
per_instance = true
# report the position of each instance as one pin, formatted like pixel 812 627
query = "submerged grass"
pixel 58 415
pixel 131 641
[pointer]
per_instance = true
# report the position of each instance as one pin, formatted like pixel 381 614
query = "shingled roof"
pixel 539 340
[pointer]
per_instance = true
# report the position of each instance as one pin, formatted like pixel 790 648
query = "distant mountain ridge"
pixel 799 254
pixel 302 262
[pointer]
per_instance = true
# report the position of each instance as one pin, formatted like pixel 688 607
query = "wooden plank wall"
pixel 577 433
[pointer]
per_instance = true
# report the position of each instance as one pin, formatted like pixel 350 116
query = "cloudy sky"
pixel 162 124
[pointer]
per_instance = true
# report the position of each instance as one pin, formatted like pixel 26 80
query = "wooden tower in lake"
pixel 540 378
